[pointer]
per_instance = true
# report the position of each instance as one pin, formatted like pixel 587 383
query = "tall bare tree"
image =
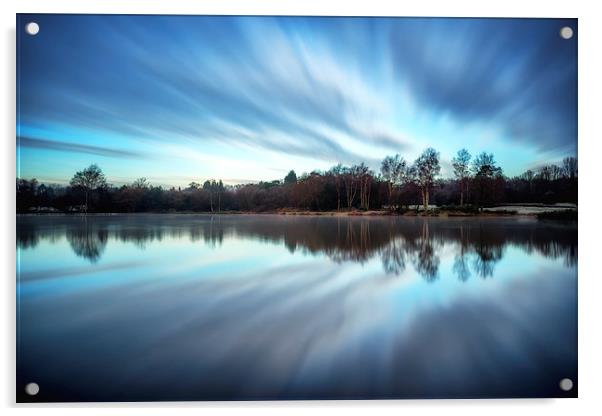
pixel 461 164
pixel 392 170
pixel 337 173
pixel 569 165
pixel 88 180
pixel 350 180
pixel 209 186
pixel 214 189
pixel 426 168
pixel 364 176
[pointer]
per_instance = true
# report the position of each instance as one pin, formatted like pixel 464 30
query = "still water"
pixel 200 307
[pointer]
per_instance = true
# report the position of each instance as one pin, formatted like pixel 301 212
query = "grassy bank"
pixel 442 211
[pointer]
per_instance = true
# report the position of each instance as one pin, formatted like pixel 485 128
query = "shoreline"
pixel 370 213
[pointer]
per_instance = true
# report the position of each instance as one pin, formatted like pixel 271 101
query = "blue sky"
pixel 177 99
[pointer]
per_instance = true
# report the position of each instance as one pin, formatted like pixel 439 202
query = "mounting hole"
pixel 32 28
pixel 566 384
pixel 32 389
pixel 566 32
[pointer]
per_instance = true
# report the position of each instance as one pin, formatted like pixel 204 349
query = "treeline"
pixel 478 182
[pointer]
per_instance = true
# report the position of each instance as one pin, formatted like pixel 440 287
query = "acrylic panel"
pixel 295 208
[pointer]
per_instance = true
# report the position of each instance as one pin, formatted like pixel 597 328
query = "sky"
pixel 177 99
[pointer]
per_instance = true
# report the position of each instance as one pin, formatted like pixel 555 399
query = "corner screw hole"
pixel 566 384
pixel 32 28
pixel 566 32
pixel 32 389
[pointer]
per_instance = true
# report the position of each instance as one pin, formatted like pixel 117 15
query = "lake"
pixel 226 307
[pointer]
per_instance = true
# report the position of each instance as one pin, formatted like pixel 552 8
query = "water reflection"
pixel 88 241
pixel 461 269
pixel 193 307
pixel 396 241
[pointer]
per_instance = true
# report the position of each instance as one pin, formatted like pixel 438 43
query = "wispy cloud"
pixel 518 74
pixel 75 147
pixel 313 91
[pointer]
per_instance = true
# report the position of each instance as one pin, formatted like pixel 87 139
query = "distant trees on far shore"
pixel 477 182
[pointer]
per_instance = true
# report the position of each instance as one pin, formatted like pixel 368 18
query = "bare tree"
pixel 351 184
pixel 556 172
pixel 209 186
pixel 569 165
pixel 337 173
pixel 140 183
pixel 393 170
pixel 220 191
pixel 426 168
pixel 364 177
pixel 214 189
pixel 545 173
pixel 315 186
pixel 88 180
pixel 461 164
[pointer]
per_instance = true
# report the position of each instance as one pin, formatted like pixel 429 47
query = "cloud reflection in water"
pixel 241 307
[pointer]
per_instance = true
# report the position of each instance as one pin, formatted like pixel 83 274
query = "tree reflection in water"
pixel 426 262
pixel 393 257
pixel 88 240
pixel 479 243
pixel 461 268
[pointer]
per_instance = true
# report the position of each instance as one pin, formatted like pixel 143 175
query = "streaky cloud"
pixel 62 146
pixel 311 91
pixel 518 74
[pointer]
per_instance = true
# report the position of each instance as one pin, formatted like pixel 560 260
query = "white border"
pixel 590 135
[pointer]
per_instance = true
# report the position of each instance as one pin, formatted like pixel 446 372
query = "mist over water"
pixel 201 307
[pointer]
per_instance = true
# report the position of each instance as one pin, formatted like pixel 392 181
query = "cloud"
pixel 75 147
pixel 518 74
pixel 331 89
pixel 286 94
